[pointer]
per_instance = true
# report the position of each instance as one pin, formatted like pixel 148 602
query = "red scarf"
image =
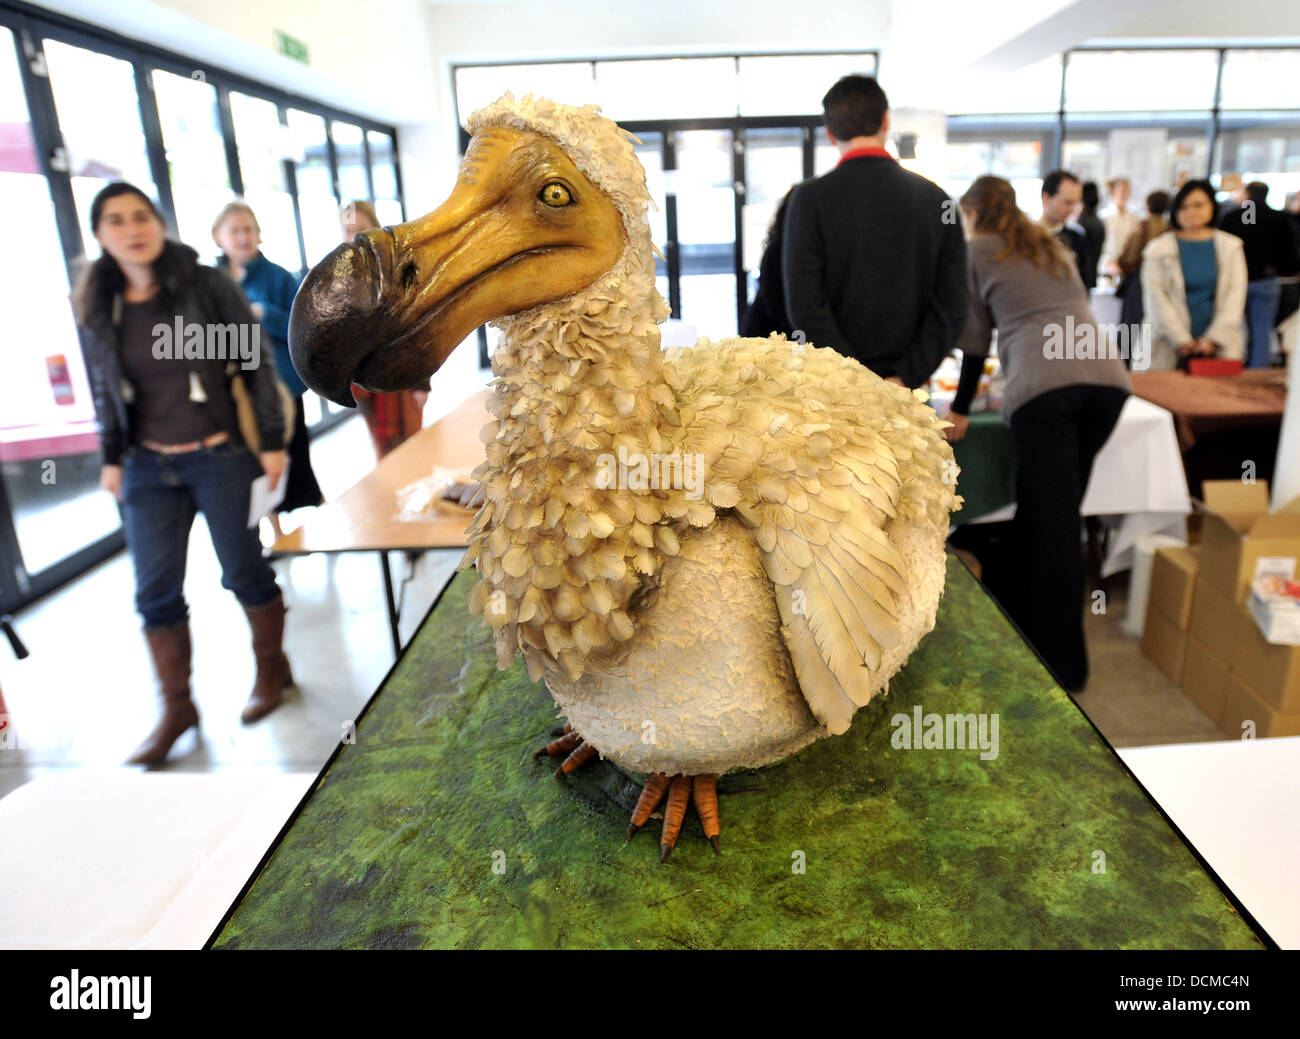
pixel 858 153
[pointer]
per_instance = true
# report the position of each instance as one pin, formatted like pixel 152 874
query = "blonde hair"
pixel 362 209
pixel 992 200
pixel 232 207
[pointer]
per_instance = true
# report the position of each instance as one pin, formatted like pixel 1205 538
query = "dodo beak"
pixel 522 227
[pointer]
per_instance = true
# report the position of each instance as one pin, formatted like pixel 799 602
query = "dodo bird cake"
pixel 713 556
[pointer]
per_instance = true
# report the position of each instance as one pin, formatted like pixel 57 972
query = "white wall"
pixel 395 85
pixel 1277 21
pixel 553 29
pixel 596 28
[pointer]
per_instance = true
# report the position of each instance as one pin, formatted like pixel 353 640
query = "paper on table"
pixel 261 499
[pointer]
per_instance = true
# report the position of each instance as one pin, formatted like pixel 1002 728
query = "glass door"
pixel 383 171
pixel 705 190
pixel 49 449
pixel 317 201
pixel 98 112
pixel 774 164
pixel 650 153
pixel 1017 157
pixel 263 146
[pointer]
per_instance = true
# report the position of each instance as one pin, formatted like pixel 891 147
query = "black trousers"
pixel 1055 438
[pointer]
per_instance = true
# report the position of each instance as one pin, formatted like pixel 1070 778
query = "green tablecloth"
pixel 987 480
pixel 437 828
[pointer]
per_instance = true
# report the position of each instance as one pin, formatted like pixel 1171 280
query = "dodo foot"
pixel 570 747
pixel 681 790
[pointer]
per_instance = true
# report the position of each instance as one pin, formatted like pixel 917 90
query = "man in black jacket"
pixel 1270 246
pixel 874 258
pixel 1062 195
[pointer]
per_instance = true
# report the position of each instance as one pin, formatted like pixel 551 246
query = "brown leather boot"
pixel 170 648
pixel 273 675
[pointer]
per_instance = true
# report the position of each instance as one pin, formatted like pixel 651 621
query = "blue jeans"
pixel 160 496
pixel 1262 297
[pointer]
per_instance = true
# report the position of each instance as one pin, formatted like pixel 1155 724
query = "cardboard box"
pixel 1237 529
pixel 1173 582
pixel 1244 704
pixel 1205 679
pixel 1214 619
pixel 1272 672
pixel 1163 643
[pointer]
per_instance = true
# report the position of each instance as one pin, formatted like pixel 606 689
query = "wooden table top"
pixel 1254 394
pixel 365 517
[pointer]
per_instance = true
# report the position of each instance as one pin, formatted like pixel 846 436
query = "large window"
pixel 98 111
pixel 658 89
pixel 49 453
pixel 723 138
pixel 1140 80
pixel 263 144
pixel 1016 156
pixel 317 200
pixel 79 109
pixel 1261 147
pixel 1157 116
pixel 196 157
pixel 383 168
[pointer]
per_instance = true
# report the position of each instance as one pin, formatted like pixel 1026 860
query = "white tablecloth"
pixel 1238 804
pixel 1137 486
pixel 122 859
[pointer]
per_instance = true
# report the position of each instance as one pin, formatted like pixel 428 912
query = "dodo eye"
pixel 555 195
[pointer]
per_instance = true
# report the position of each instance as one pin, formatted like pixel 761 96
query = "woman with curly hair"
pixel 171 442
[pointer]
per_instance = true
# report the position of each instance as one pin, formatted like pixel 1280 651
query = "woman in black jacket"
pixel 163 338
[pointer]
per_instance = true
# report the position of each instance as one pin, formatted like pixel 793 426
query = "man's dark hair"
pixel 1052 182
pixel 1257 191
pixel 1091 196
pixel 1194 185
pixel 854 107
pixel 1158 202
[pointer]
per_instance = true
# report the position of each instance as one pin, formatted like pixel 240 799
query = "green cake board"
pixel 438 829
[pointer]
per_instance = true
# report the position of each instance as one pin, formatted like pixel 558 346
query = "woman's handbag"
pixel 247 414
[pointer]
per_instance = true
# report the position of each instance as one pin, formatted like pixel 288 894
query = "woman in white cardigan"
pixel 1194 284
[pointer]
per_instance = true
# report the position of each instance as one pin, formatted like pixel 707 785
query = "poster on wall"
pixel 1140 156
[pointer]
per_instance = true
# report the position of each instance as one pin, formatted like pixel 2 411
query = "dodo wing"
pixel 837 576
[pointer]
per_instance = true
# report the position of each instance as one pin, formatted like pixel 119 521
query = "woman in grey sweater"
pixel 1064 393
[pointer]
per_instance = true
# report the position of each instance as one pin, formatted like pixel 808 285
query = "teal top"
pixel 1200 275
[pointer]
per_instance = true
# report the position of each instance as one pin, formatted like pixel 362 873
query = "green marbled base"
pixel 438 829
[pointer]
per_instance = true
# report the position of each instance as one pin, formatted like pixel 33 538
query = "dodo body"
pixel 683 631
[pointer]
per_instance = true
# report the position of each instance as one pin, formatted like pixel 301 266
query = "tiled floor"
pixel 1128 698
pixel 84 696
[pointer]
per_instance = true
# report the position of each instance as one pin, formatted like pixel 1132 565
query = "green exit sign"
pixel 290 46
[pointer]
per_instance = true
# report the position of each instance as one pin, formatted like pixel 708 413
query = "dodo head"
pixel 531 220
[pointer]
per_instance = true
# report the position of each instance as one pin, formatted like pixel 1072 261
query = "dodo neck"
pixel 586 372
